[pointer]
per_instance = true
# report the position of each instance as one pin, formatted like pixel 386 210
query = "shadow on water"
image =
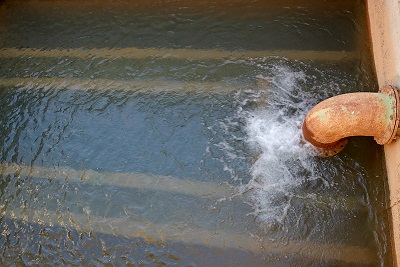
pixel 180 24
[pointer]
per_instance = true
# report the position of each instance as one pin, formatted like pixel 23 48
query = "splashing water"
pixel 273 129
pixel 272 180
pixel 277 138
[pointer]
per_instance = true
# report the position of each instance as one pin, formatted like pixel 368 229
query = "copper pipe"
pixel 328 125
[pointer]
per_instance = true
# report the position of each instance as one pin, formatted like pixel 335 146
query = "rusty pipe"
pixel 328 125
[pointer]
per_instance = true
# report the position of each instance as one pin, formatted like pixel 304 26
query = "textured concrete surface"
pixel 384 16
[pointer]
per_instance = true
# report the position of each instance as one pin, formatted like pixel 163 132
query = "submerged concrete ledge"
pixel 166 183
pixel 162 233
pixel 128 180
pixel 119 85
pixel 190 54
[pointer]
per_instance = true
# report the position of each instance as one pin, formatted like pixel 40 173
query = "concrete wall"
pixel 384 17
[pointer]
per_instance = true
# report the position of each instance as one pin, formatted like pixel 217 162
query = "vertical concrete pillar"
pixel 384 18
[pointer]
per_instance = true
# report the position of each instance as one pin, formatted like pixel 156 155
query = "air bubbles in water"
pixel 273 134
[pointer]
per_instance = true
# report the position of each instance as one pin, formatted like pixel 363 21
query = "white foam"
pixel 270 188
pixel 280 164
pixel 274 131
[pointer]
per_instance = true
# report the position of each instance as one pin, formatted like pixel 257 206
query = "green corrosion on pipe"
pixel 328 125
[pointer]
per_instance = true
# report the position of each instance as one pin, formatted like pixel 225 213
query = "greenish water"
pixel 176 160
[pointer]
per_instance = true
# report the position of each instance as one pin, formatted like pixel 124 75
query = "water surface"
pixel 185 160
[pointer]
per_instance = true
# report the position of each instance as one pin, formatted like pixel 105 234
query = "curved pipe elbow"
pixel 331 122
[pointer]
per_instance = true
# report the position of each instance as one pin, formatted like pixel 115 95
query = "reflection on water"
pixel 163 160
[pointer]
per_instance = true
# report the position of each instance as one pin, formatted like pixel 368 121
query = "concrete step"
pixel 189 54
pixel 129 180
pixel 179 230
pixel 161 233
pixel 118 85
pixel 188 187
